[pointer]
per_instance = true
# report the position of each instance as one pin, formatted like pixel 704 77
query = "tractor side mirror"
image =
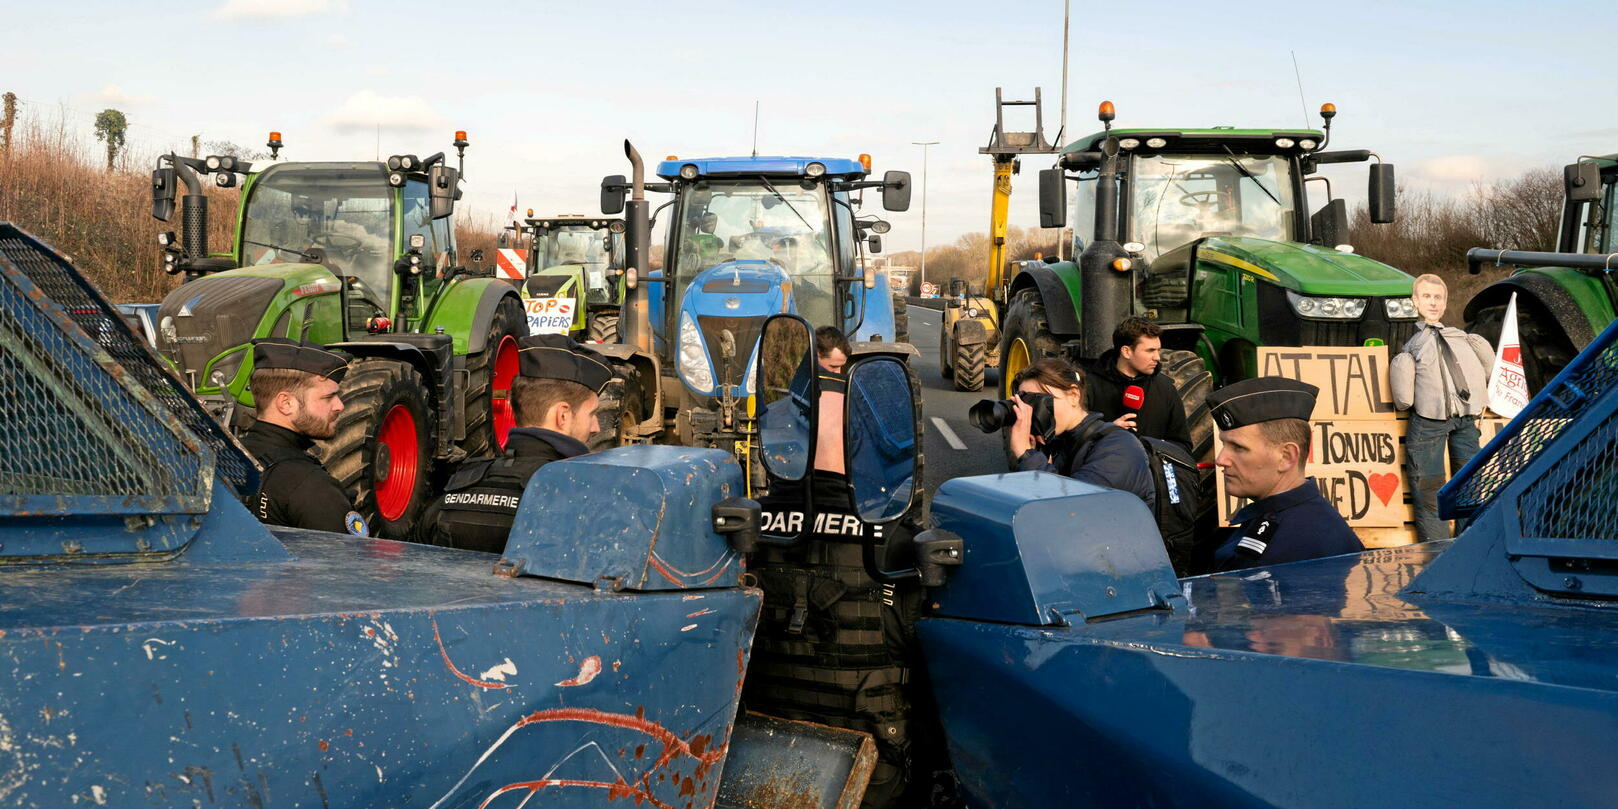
pixel 896 191
pixel 1582 180
pixel 443 186
pixel 1329 225
pixel 1381 196
pixel 476 255
pixel 786 397
pixel 163 192
pixel 614 189
pixel 873 243
pixel 879 439
pixel 1052 199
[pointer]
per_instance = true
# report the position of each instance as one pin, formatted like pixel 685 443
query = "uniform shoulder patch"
pixel 1256 540
pixel 356 524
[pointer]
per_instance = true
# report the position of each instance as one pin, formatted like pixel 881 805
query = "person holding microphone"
pixel 1126 389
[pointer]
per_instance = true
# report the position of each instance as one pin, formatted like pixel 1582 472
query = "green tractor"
pixel 1565 298
pixel 574 283
pixel 1207 231
pixel 358 257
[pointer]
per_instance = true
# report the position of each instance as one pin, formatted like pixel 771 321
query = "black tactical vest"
pixel 480 502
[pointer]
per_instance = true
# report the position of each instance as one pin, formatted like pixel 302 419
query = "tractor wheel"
pixel 1025 336
pixel 489 374
pixel 382 451
pixel 969 366
pixel 901 319
pixel 623 406
pixel 1192 379
pixel 1546 348
pixel 604 327
pixel 946 354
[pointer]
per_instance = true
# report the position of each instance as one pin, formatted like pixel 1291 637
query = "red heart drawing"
pixel 1384 485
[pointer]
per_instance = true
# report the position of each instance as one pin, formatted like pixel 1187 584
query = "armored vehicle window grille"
pixel 92 414
pixel 1591 375
pixel 1574 499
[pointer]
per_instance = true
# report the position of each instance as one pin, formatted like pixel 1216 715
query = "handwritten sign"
pixel 1359 467
pixel 1353 381
pixel 549 315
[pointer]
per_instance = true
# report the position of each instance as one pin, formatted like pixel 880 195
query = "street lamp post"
pixel 923 144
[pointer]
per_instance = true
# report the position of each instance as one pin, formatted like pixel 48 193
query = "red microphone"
pixel 1134 397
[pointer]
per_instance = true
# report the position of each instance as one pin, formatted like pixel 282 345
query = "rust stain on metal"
pixel 782 791
pixel 451 664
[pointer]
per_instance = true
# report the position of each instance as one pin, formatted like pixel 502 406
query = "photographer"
pixel 1054 433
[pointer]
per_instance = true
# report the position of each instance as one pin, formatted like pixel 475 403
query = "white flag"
pixel 1508 385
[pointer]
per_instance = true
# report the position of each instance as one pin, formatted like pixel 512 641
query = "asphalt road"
pixel 954 447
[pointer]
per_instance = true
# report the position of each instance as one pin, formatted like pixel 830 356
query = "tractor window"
pixel 344 214
pixel 418 219
pixel 1083 220
pixel 748 221
pixel 1179 198
pixel 576 245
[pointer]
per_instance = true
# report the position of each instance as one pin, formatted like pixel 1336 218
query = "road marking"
pixel 949 435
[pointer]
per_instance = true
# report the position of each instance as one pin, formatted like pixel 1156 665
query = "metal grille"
pixel 1592 374
pixel 746 331
pixel 1574 499
pixel 91 422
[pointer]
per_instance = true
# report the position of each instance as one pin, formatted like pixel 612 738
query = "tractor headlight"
pixel 688 171
pixel 694 367
pixel 971 311
pixel 1285 143
pixel 396 179
pixel 1156 143
pixel 224 179
pixel 1332 308
pixel 1400 308
pixel 1307 143
pixel 213 162
pixel 752 375
pixel 815 169
pixel 1128 143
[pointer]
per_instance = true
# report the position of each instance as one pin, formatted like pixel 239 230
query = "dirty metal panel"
pixel 363 673
pixel 784 764
pixel 637 506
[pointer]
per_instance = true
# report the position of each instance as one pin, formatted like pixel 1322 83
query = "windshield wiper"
pixel 1236 164
pixel 788 204
pixel 309 256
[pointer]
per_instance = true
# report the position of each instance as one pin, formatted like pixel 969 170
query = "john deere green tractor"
pixel 1209 232
pixel 358 257
pixel 575 279
pixel 1564 298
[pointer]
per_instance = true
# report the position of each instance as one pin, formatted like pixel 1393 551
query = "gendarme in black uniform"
pixel 480 501
pixel 1288 526
pixel 294 489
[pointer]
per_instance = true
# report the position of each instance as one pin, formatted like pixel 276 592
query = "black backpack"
pixel 1177 480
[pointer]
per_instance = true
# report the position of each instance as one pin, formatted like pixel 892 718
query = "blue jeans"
pixel 1424 465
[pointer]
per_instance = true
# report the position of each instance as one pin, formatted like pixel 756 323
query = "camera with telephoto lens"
pixel 990 415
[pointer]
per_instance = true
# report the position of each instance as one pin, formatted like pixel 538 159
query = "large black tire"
pixel 1025 337
pixel 508 321
pixel 901 319
pixel 1194 382
pixel 1546 348
pixel 623 406
pixel 969 366
pixel 946 345
pixel 603 327
pixel 372 390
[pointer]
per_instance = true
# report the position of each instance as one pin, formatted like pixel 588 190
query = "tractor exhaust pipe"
pixel 193 212
pixel 1107 291
pixel 636 318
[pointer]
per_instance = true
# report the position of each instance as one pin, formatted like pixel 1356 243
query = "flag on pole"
pixel 1508 385
pixel 514 207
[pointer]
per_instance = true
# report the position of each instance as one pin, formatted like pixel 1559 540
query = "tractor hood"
pixel 1307 268
pixel 723 311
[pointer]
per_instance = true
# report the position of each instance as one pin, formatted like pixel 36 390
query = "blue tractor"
pixel 748 237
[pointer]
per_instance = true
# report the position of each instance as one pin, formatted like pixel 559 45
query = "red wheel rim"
pixel 398 434
pixel 505 369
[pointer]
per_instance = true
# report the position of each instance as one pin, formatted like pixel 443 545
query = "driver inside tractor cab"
pixel 778 221
pixel 1180 198
pixel 341 213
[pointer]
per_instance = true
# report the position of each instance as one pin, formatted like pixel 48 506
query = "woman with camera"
pixel 1054 433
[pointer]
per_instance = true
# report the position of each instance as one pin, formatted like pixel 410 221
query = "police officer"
pixel 1264 430
pixel 294 387
pixel 554 398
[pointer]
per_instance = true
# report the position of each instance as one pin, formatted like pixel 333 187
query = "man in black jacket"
pixel 554 398
pixel 294 389
pixel 1126 389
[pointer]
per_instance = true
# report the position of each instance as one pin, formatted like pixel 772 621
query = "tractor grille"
pixel 93 423
pixel 1279 325
pixel 745 329
pixel 209 315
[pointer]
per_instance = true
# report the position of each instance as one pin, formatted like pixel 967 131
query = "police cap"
pixel 1265 398
pixel 558 356
pixel 280 352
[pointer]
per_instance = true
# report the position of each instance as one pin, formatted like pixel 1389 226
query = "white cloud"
pixel 367 109
pixel 115 96
pixel 336 41
pixel 1461 168
pixel 274 9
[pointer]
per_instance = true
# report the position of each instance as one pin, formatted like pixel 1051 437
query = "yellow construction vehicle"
pixel 969 333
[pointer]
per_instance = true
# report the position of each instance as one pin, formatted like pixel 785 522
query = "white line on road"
pixel 949 435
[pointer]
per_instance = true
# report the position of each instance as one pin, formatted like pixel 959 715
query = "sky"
pixel 1452 93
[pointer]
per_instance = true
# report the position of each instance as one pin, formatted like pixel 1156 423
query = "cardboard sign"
pixel 1359 467
pixel 549 315
pixel 1353 382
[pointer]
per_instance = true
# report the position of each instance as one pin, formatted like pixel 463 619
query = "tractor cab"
pixel 575 280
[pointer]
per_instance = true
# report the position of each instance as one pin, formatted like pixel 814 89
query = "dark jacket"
pixel 480 501
pixel 1294 525
pixel 1162 415
pixel 295 489
pixel 1094 454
